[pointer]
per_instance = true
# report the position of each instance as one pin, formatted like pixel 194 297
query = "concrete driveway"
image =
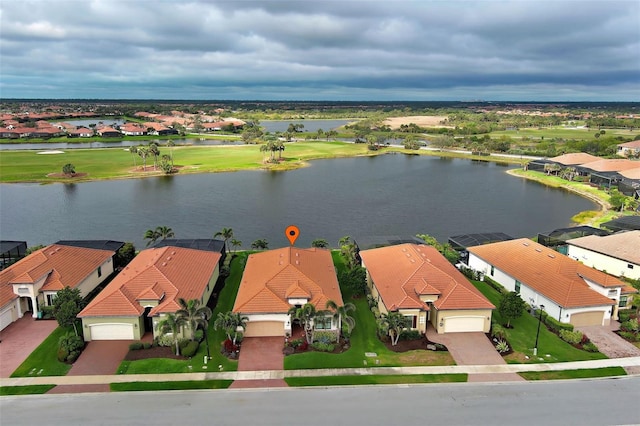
pixel 473 349
pixel 261 353
pixel 19 339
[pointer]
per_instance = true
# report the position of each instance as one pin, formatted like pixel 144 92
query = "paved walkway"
pixel 257 354
pixel 473 349
pixel 19 339
pixel 280 374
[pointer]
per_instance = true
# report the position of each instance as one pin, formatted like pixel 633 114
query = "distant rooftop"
pixel 625 223
pixel 366 242
pixel 461 242
pixel 93 244
pixel 205 244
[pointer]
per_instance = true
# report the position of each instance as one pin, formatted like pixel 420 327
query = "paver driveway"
pixel 100 357
pixel 261 353
pixel 19 339
pixel 608 342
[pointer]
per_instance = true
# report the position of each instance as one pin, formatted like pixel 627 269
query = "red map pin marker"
pixel 292 233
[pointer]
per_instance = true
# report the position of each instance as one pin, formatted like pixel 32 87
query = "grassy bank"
pixel 375 379
pixel 177 385
pixel 574 374
pixel 25 390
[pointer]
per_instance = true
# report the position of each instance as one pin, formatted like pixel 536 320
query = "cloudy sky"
pixel 321 50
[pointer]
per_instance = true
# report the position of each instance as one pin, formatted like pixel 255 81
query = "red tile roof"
pixel 612 165
pixel 271 277
pixel 574 159
pixel 63 266
pixel 402 273
pixel 547 272
pixel 621 245
pixel 165 274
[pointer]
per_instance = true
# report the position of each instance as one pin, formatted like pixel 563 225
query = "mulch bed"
pixel 154 352
pixel 406 345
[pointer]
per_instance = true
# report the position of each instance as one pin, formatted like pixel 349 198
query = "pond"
pixel 364 196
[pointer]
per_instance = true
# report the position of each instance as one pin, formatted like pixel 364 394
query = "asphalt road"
pixel 585 402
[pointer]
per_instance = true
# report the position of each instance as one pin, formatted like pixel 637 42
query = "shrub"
pixel 375 312
pixel 502 346
pixel 498 331
pixel 372 301
pixel 70 342
pixel 572 337
pixel 228 346
pixel 62 354
pixel 303 346
pixel 590 347
pixel 190 348
pixel 73 356
pixel 623 315
pixel 555 325
pixel 165 340
pixel 323 347
pixel 239 337
pixel 199 334
pixel 136 346
pixel 182 343
pixel 630 325
pixel 47 312
pixel 495 285
pixel 325 337
pixel 630 336
pixel 410 335
pixel 295 343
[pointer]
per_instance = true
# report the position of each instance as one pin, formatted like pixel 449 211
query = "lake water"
pixel 366 196
pixel 309 125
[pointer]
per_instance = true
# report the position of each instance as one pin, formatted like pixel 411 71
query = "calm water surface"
pixel 386 195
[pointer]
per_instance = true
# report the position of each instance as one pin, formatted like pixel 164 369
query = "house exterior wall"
pixel 602 262
pixel 9 313
pixel 137 323
pixel 210 285
pixel 421 318
pixel 93 280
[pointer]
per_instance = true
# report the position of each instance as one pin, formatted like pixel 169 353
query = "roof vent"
pixel 168 258
pixel 164 263
pixel 538 250
pixel 173 252
pixel 297 263
pixel 525 244
pixel 551 256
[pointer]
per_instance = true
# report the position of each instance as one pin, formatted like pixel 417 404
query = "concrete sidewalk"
pixel 281 374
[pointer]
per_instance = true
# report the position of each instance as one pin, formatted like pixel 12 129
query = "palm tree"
pixel 305 314
pixel 152 236
pixel 171 324
pixel 230 322
pixel 193 314
pixel 393 323
pixel 164 232
pixel 320 243
pixel 134 152
pixel 155 151
pixel 226 234
pixel 237 321
pixel 341 315
pixel 143 152
pixel 236 243
pixel 171 144
pixel 260 244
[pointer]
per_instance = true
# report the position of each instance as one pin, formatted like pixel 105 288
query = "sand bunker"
pixel 418 120
pixel 51 152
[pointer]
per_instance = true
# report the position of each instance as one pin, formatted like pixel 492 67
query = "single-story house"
pixel 274 281
pixel 147 289
pixel 617 254
pixel 420 283
pixel 33 282
pixel 565 160
pixel 570 291
pixel 629 149
pixel 108 132
pixel 606 172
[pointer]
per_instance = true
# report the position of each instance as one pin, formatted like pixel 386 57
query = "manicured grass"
pixel 25 390
pixel 215 337
pixel 574 374
pixel 43 360
pixel 179 385
pixel 363 339
pixel 523 334
pixel 118 163
pixel 560 132
pixel 375 379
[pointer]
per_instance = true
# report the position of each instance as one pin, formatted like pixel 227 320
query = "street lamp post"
pixel 206 341
pixel 535 347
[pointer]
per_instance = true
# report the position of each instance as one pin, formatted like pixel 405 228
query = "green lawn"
pixel 25 390
pixel 560 132
pixel 225 303
pixel 363 339
pixel 375 379
pixel 43 360
pixel 523 334
pixel 178 385
pixel 114 163
pixel 574 374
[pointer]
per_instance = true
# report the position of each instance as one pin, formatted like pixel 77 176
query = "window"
pixel 623 302
pixel 50 299
pixel 99 271
pixel 518 284
pixel 322 323
pixel 492 270
pixel 630 266
pixel 411 321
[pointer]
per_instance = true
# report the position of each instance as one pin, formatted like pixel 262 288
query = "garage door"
pixel 587 318
pixel 463 324
pixel 264 328
pixel 6 318
pixel 111 332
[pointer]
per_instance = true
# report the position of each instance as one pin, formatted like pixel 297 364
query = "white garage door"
pixel 111 332
pixel 6 318
pixel 264 329
pixel 463 324
pixel 587 318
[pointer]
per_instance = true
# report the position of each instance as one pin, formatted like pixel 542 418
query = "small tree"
pixel 260 244
pixel 226 234
pixel 69 169
pixel 125 254
pixel 66 306
pixel 511 307
pixel 193 314
pixel 393 323
pixel 172 324
pixel 355 280
pixel 305 314
pixel 320 243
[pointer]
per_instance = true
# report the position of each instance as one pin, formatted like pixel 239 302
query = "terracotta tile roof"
pixel 62 265
pixel 547 272
pixel 271 277
pixel 403 272
pixel 633 174
pixel 575 158
pixel 632 144
pixel 612 165
pixel 164 274
pixel 627 289
pixel 621 245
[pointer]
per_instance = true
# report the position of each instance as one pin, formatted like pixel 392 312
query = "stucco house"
pixel 147 289
pixel 274 281
pixel 617 254
pixel 420 283
pixel 33 282
pixel 570 291
pixel 629 149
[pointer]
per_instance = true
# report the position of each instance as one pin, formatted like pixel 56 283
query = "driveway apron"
pixel 19 339
pixel 261 353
